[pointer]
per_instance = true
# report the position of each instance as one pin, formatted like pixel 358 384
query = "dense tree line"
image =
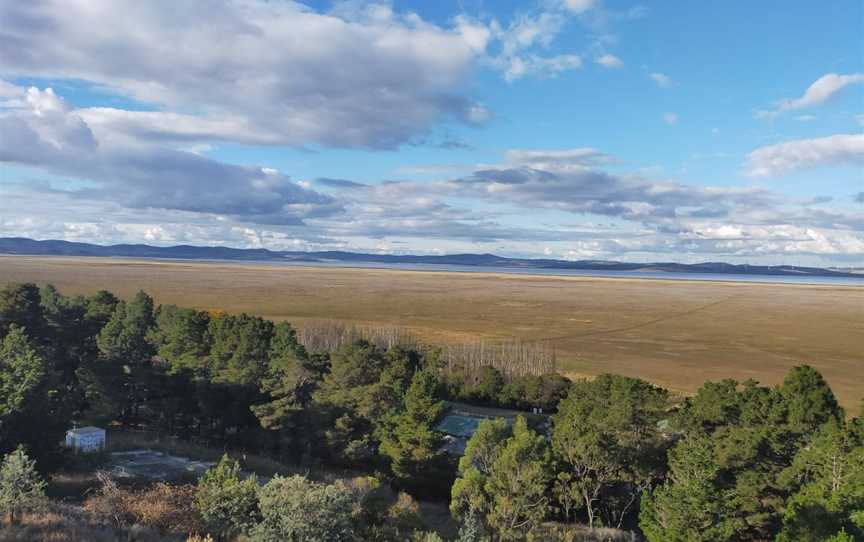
pixel 736 461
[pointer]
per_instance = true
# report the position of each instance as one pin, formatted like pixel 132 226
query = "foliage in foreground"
pixel 162 508
pixel 21 487
pixel 227 502
pixel 503 477
pixel 296 510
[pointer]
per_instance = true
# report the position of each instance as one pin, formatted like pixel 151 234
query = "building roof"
pixel 86 430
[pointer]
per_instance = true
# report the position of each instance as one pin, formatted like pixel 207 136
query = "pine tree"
pixel 605 437
pixel 827 477
pixel 692 506
pixel 117 383
pixel 289 382
pixel 414 441
pixel 22 370
pixel 21 305
pixel 31 405
pixel 21 487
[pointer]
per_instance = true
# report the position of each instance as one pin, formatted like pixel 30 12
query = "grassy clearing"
pixel 675 334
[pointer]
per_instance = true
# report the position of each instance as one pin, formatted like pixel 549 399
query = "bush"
pixel 164 507
pixel 168 508
pixel 227 503
pixel 402 521
pixel 112 504
pixel 297 510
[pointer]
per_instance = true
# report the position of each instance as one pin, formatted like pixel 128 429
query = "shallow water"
pixel 728 277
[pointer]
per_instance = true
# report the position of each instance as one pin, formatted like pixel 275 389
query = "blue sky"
pixel 576 129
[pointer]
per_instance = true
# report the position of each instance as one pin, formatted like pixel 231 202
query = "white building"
pixel 86 439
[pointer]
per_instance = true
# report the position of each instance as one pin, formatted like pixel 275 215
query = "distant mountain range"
pixel 24 246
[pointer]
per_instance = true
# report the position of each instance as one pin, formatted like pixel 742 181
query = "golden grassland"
pixel 677 334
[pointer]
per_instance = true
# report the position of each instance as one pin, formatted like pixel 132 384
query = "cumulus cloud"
pixel 252 70
pixel 609 61
pixel 280 73
pixel 48 134
pixel 791 156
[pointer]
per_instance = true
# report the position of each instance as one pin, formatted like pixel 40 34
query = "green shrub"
pixel 228 504
pixel 293 509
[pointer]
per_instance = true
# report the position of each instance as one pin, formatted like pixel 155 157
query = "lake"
pixel 665 275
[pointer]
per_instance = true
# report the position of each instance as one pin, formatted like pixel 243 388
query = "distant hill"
pixel 24 246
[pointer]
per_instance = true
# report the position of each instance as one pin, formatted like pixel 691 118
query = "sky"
pixel 573 129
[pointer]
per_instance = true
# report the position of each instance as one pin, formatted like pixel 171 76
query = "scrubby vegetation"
pixel 613 458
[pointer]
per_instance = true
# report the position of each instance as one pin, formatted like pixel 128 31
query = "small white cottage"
pixel 86 439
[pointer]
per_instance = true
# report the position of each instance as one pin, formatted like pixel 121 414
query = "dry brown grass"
pixel 165 508
pixel 67 523
pixel 676 334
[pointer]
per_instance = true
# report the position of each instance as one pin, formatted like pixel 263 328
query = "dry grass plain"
pixel 677 334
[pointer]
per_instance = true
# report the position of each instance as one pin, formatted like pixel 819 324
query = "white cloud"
pixel 822 90
pixel 806 118
pixel 662 80
pixel 557 159
pixel 162 126
pixel 250 70
pixel 609 61
pixel 791 156
pixel 670 118
pixel 541 66
pixel 524 39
